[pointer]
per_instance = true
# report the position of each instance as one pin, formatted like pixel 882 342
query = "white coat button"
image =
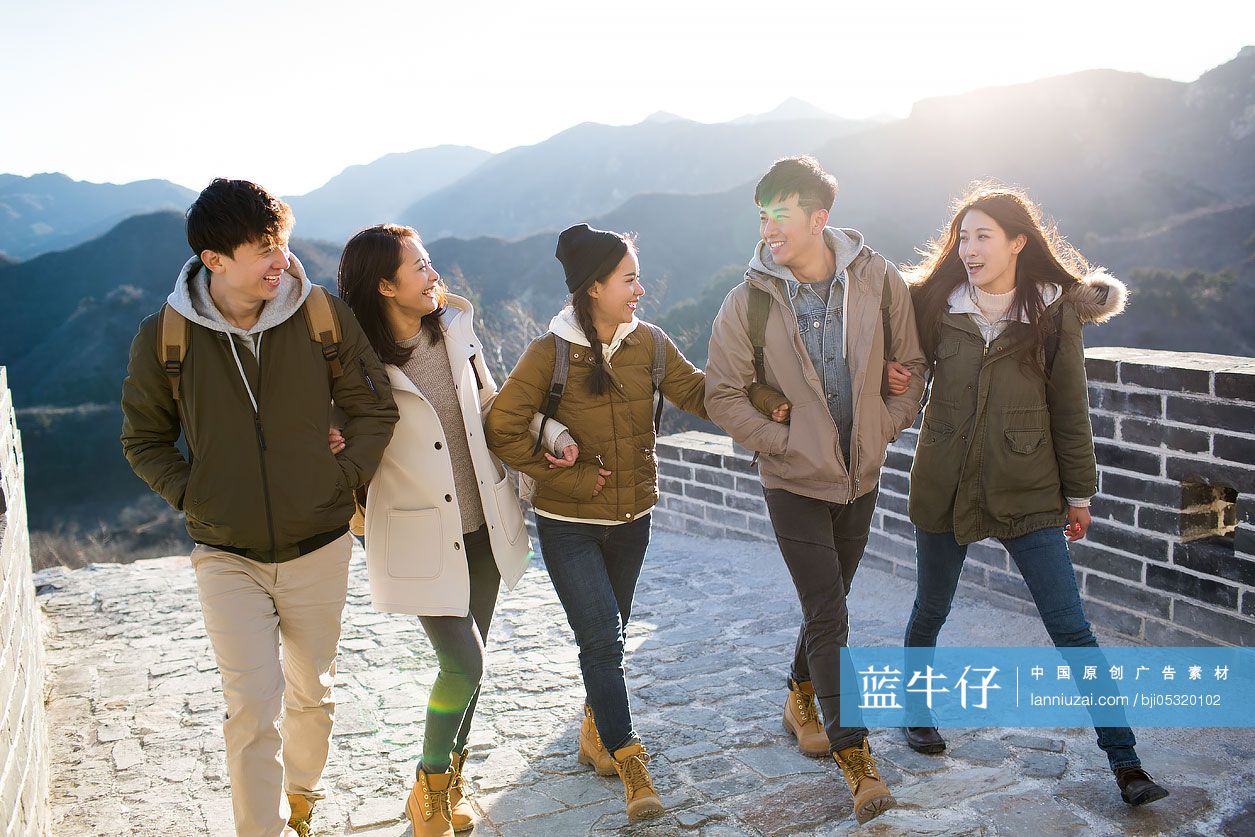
pixel 627 515
pixel 816 323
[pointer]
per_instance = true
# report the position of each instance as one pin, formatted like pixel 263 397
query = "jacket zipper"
pixel 261 446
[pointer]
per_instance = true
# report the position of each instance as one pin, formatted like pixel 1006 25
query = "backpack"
pixel 760 307
pixel 174 330
pixel 562 367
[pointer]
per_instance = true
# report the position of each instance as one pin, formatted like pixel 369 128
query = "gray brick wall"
pixel 1172 432
pixel 23 736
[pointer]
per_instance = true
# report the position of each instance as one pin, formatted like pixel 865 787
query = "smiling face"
pixel 415 288
pixel 987 253
pixel 251 275
pixel 792 233
pixel 615 300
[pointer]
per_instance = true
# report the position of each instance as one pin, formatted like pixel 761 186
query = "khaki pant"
pixel 249 607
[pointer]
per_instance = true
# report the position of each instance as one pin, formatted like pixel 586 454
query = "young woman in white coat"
pixel 444 526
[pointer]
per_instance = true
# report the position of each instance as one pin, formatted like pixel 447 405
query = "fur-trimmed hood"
pixel 1098 297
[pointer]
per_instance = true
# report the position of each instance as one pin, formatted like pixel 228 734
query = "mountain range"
pixel 46 212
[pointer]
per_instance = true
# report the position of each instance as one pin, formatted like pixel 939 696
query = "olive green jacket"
pixel 258 485
pixel 1001 445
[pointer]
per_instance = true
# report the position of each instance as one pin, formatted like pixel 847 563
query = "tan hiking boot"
pixel 592 751
pixel 871 794
pixel 638 786
pixel 302 812
pixel 463 813
pixel 801 718
pixel 428 806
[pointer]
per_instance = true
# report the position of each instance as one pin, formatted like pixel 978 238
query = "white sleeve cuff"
pixel 1078 502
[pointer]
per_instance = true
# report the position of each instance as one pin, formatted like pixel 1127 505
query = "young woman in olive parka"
pixel 1006 449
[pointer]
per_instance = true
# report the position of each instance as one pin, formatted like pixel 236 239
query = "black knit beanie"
pixel 585 251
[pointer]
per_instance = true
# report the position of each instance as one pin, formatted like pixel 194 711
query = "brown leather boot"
pixel 801 718
pixel 428 806
pixel 638 786
pixel 871 794
pixel 592 751
pixel 302 813
pixel 463 813
pixel 1137 787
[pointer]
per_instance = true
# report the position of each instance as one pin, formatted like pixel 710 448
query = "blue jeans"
pixel 1042 557
pixel 594 571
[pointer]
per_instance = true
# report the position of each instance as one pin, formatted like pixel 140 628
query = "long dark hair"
pixel 1046 257
pixel 375 253
pixel 582 305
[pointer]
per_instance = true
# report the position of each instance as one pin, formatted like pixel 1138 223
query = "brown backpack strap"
pixel 172 337
pixel 324 327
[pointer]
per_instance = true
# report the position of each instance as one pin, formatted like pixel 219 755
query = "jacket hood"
pixel 190 298
pixel 1098 297
pixel 845 245
pixel 565 326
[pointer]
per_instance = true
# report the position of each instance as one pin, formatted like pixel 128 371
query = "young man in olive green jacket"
pixel 266 501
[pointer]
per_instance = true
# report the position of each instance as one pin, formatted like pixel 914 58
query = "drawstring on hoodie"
pixel 261 436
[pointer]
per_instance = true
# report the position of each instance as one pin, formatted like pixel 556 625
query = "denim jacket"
pixel 821 324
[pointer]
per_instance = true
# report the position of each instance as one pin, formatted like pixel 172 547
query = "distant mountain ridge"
pixel 590 169
pixel 380 191
pixel 47 212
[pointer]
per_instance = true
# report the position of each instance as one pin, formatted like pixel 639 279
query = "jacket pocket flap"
pixel 1025 441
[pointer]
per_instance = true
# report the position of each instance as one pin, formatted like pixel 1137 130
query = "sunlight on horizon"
pixel 291 94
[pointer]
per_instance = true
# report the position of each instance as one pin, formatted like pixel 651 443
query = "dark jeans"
pixel 594 571
pixel 1042 557
pixel 459 645
pixel 822 544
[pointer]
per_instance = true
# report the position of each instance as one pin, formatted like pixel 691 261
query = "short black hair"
pixel 230 213
pixel 801 176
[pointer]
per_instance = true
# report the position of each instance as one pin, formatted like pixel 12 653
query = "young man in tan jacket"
pixel 811 320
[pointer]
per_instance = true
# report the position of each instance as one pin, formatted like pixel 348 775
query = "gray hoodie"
pixel 845 245
pixel 190 298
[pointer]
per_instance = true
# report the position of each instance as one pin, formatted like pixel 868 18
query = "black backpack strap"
pixel 756 325
pixel 1052 340
pixel 658 370
pixel 557 385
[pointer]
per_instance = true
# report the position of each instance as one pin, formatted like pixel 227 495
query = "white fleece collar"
pixel 565 326
pixel 963 300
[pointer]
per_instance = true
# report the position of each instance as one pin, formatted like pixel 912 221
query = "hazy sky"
pixel 289 93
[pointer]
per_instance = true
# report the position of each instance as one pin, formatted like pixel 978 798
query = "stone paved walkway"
pixel 135 711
